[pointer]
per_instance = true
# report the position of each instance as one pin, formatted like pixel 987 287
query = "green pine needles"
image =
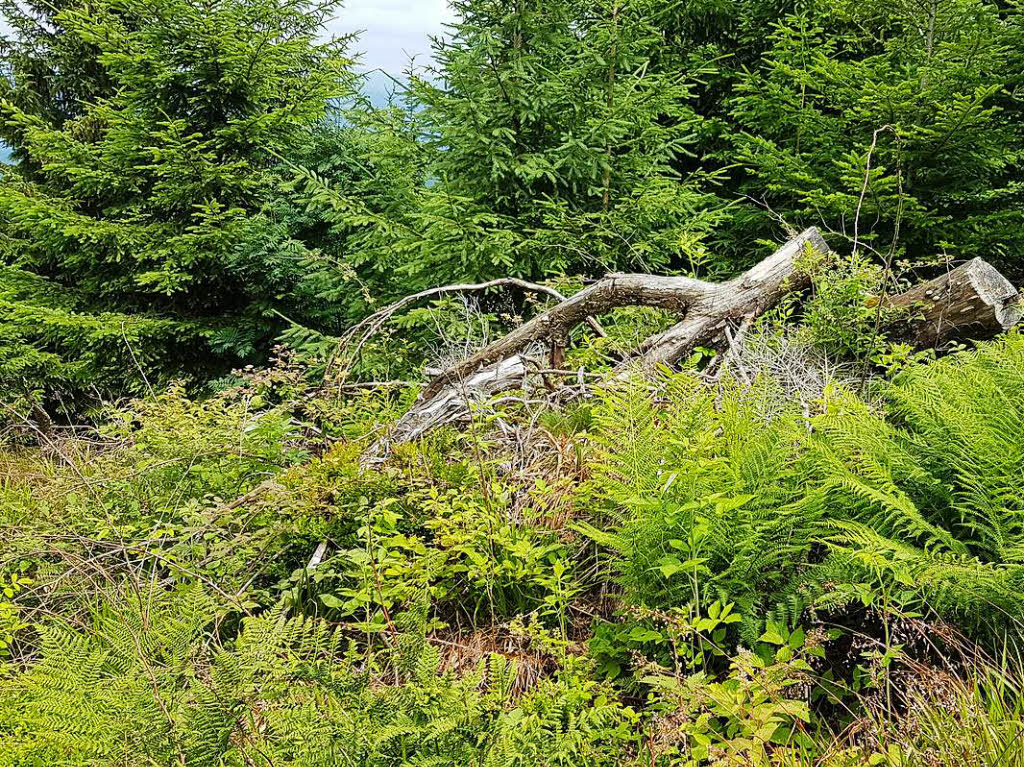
pixel 143 134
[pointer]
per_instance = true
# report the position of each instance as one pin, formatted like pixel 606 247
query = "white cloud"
pixel 392 30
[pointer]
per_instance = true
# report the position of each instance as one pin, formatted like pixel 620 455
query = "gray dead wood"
pixel 707 308
pixel 452 403
pixel 972 301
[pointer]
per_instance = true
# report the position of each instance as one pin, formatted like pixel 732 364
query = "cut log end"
pixel 973 301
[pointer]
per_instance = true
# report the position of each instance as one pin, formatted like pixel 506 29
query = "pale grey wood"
pixel 973 301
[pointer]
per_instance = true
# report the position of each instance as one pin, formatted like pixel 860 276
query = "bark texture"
pixel 452 403
pixel 973 301
pixel 706 306
pixel 707 309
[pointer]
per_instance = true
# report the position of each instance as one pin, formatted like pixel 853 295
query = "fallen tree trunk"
pixel 730 303
pixel 707 307
pixel 973 300
pixel 450 404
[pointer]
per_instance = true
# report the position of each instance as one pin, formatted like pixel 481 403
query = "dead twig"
pixel 362 332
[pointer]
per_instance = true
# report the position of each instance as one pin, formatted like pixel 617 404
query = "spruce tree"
pixel 921 99
pixel 554 143
pixel 143 136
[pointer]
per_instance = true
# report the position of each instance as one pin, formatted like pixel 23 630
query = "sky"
pixel 392 30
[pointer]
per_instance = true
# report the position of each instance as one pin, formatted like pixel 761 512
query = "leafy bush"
pixel 676 572
pixel 764 559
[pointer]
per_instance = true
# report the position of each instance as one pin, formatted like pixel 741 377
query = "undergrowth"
pixel 656 573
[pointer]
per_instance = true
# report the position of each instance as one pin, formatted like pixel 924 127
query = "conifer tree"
pixel 922 98
pixel 143 133
pixel 554 141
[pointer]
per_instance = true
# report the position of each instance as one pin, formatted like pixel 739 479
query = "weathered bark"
pixel 707 307
pixel 732 302
pixel 450 404
pixel 972 301
pixel 357 336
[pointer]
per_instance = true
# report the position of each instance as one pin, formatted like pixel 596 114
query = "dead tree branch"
pixel 362 332
pixel 707 307
pixel 972 301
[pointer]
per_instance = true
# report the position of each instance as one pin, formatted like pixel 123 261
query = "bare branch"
pixel 371 325
pixel 973 300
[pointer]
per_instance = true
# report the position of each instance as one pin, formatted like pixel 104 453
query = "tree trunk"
pixel 972 301
pixel 748 296
pixel 706 306
pixel 451 404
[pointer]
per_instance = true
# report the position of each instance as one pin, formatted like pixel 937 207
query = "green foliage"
pixel 541 141
pixel 557 137
pixel 704 496
pixel 978 723
pixel 190 181
pixel 10 617
pixel 723 496
pixel 655 578
pixel 756 707
pixel 451 537
pixel 753 561
pixel 291 690
pixel 151 218
pixel 106 691
pixel 159 475
pixel 45 343
pixel 843 316
pixel 895 123
pixel 126 218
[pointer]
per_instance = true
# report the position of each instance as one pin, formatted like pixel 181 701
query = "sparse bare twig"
pixel 362 332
